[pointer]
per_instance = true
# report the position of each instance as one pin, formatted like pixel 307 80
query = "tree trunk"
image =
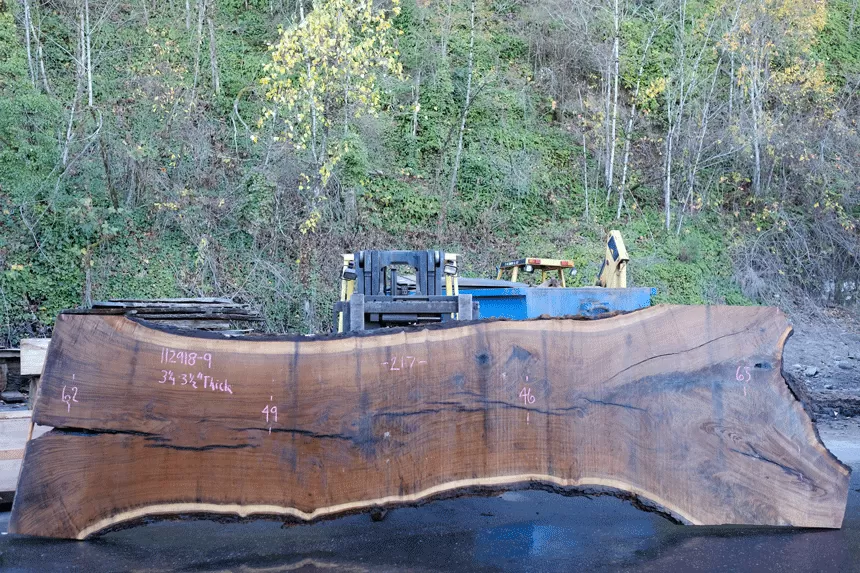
pixel 453 183
pixel 629 131
pixel 201 13
pixel 626 156
pixel 610 179
pixel 317 160
pixel 667 180
pixel 416 106
pixel 79 81
pixel 27 27
pixel 690 417
pixel 111 189
pixel 89 64
pixel 40 56
pixel 585 173
pixel 691 182
pixel 851 19
pixel 213 58
pixel 606 88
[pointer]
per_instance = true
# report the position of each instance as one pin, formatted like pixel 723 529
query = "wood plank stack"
pixel 34 351
pixel 10 359
pixel 682 409
pixel 14 426
pixel 198 313
pixel 10 376
pixel 16 367
pixel 24 366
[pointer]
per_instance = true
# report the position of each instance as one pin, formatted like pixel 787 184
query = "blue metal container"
pixel 520 303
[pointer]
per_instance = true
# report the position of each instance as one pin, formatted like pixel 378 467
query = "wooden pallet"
pixel 682 409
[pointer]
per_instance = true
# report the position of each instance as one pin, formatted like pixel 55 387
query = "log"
pixel 223 327
pixel 682 409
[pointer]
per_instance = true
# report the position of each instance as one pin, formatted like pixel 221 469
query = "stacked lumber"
pixel 199 313
pixel 681 409
pixel 14 428
pixel 34 351
pixel 16 368
pixel 10 368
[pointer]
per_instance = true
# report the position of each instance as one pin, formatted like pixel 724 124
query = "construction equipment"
pixel 519 301
pixel 613 269
pixel 376 293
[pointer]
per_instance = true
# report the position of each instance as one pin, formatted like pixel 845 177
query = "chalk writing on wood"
pixel 527 396
pixel 184 357
pixel 271 413
pixel 401 363
pixel 70 396
pixel 743 376
pixel 195 380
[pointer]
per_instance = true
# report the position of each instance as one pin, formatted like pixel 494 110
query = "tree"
pixel 466 103
pixel 770 39
pixel 610 160
pixel 326 70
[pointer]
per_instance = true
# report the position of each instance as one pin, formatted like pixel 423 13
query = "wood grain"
pixel 683 408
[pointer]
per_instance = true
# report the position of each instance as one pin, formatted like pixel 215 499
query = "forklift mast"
pixel 375 294
pixel 377 274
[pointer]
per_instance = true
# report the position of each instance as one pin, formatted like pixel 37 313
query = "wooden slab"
pixel 682 408
pixel 14 426
pixel 33 352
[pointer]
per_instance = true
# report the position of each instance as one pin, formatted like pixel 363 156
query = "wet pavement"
pixel 518 531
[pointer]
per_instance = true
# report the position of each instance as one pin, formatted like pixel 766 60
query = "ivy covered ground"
pixel 237 148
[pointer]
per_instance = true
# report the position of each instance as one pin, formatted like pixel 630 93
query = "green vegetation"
pixel 162 149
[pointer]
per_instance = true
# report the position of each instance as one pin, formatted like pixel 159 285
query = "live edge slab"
pixel 682 409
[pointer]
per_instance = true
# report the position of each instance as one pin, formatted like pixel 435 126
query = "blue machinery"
pixel 501 299
pixel 523 302
pixel 374 292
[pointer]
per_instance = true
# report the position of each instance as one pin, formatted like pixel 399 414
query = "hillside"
pixel 216 147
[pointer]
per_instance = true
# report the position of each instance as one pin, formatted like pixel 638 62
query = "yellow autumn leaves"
pixel 328 68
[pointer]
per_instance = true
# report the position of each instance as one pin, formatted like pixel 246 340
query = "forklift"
pixel 376 293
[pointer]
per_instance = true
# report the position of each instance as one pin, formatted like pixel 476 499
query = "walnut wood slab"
pixel 681 408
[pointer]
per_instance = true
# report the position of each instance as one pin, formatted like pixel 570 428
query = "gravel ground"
pixel 825 355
